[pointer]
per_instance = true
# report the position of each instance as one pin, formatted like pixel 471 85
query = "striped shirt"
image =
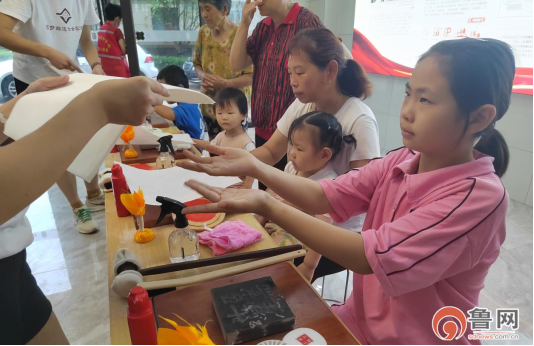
pixel 267 47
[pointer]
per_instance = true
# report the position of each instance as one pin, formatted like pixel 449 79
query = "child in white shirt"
pixel 231 109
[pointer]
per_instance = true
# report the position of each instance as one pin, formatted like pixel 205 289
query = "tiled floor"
pixel 71 269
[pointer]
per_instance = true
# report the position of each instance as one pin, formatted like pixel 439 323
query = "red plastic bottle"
pixel 119 187
pixel 141 318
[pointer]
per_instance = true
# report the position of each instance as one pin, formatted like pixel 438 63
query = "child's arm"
pixel 356 186
pixel 261 219
pixel 340 245
pixel 302 192
pixel 165 112
pixel 440 239
pixel 312 258
pixel 247 184
pixel 122 45
pixel 89 50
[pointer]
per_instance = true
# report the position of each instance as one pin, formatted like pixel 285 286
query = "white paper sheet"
pixel 32 111
pixel 170 182
pixel 182 138
pixel 187 95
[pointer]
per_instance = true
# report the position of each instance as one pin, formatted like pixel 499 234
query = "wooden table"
pixel 194 304
pixel 119 234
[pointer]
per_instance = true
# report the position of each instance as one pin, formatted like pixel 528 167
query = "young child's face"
pixel 302 152
pixel 229 117
pixel 429 118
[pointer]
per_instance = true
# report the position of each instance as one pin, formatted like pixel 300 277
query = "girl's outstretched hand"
pixel 229 162
pixel 229 200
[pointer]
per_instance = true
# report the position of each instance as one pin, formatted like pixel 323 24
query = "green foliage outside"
pixel 163 61
pixel 174 14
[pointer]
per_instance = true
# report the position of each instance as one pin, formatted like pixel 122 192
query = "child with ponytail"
pixel 436 208
pixel 315 139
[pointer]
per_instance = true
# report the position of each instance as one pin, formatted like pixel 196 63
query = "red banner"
pixel 366 54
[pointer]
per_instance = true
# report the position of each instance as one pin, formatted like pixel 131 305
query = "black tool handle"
pixel 204 262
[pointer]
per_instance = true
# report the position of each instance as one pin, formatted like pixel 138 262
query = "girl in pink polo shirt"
pixel 435 208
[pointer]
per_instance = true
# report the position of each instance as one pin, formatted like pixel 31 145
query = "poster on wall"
pixel 390 35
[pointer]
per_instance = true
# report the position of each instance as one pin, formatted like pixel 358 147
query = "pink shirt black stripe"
pixel 430 239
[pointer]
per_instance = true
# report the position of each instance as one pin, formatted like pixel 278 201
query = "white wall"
pixel 516 126
pixel 337 15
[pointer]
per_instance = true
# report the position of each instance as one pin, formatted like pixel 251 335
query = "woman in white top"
pixel 323 79
pixel 25 313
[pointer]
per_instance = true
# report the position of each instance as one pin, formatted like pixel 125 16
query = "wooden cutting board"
pixel 195 305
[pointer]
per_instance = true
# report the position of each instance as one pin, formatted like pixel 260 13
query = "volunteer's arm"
pixel 239 58
pixel 123 46
pixel 19 44
pixel 115 101
pixel 89 50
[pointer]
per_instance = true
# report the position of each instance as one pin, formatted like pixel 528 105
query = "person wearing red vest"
pixel 111 46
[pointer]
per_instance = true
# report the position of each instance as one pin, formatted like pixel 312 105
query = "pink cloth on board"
pixel 229 236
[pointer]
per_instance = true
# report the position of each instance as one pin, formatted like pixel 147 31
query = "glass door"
pixel 164 32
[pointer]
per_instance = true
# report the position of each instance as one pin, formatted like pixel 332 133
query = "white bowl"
pixel 272 342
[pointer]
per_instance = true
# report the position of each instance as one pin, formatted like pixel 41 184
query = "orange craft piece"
pixel 130 153
pixel 135 204
pixel 127 136
pixel 144 236
pixel 183 335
